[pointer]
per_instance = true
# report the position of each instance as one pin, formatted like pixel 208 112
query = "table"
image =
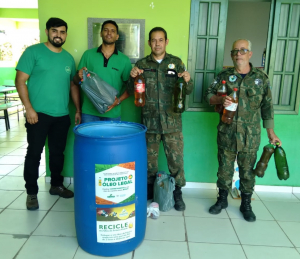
pixel 5 90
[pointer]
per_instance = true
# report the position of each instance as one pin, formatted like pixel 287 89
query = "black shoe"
pixel 150 191
pixel 246 208
pixel 221 203
pixel 32 202
pixel 179 203
pixel 62 191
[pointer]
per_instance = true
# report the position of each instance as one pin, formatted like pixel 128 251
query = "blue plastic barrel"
pixel 110 185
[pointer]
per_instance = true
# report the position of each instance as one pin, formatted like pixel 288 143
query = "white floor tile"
pixel 267 252
pixel 19 152
pixel 12 160
pixel 161 250
pixel 260 232
pixel 46 201
pixel 7 197
pixel 13 183
pixel 273 196
pixel 199 193
pixel 210 230
pixel 292 230
pixel 258 208
pixel 212 251
pixel 38 247
pixel 199 208
pixel 6 150
pixel 284 211
pixel 19 139
pixel 43 186
pixel 297 195
pixel 81 254
pixel 63 205
pixel 171 212
pixel 20 221
pixel 18 171
pixel 10 245
pixel 6 169
pixel 57 224
pixel 169 228
pixel 9 144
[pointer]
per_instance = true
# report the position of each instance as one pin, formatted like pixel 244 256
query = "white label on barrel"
pixel 115 183
pixel 115 224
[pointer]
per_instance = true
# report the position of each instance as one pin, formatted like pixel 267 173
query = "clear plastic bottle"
pixel 229 111
pixel 179 96
pixel 222 91
pixel 139 91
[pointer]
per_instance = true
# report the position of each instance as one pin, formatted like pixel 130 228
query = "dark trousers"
pixel 173 146
pixel 56 129
pixel 246 162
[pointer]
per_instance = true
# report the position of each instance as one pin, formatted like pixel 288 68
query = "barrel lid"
pixel 109 129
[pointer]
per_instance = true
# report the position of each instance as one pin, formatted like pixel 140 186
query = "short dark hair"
pixel 56 22
pixel 158 29
pixel 111 22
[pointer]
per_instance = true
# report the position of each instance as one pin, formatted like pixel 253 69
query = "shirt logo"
pixel 232 78
pixel 171 66
pixel 68 70
pixel 258 81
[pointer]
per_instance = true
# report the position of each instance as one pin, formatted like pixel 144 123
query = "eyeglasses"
pixel 242 51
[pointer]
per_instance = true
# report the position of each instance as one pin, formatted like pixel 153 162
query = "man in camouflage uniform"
pixel 161 71
pixel 241 138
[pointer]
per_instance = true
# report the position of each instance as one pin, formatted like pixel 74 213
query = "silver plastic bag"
pixel 100 93
pixel 164 186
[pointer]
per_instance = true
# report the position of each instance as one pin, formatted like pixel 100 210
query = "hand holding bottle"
pixel 185 75
pixel 135 71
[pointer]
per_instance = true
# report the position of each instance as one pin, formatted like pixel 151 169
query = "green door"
pixel 283 66
pixel 206 47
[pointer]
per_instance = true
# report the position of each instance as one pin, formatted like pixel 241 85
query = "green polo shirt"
pixel 115 71
pixel 50 74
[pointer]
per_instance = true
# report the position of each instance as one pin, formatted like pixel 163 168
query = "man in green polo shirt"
pixel 48 70
pixel 109 64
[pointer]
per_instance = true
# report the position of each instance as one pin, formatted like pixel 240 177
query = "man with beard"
pixel 109 64
pixel 48 70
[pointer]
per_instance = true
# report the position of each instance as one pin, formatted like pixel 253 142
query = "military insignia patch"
pixel 171 66
pixel 258 81
pixel 232 78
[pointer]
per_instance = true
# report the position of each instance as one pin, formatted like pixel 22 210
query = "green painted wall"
pixel 199 128
pixel 19 13
pixel 7 75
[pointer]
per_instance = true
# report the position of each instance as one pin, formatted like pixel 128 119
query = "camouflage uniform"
pixel 242 137
pixel 158 116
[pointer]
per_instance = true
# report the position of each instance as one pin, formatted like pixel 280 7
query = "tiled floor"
pixel 50 232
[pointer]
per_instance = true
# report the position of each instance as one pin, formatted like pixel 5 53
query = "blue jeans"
pixel 89 118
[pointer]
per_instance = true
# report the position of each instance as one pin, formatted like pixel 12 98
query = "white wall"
pixel 248 20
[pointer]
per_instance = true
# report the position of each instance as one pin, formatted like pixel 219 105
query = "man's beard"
pixel 57 45
pixel 108 42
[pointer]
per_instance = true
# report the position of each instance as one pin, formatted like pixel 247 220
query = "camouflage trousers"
pixel 246 162
pixel 173 146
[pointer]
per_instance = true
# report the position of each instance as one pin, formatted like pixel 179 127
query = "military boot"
pixel 246 208
pixel 221 203
pixel 150 191
pixel 179 203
